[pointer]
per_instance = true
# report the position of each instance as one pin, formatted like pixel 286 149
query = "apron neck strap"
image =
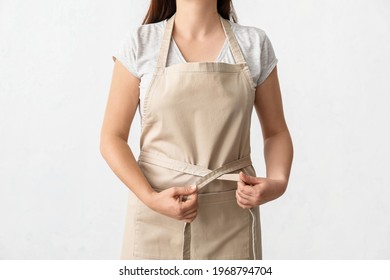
pixel 166 40
pixel 163 55
pixel 234 46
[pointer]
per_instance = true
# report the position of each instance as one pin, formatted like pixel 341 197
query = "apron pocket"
pixel 157 236
pixel 222 229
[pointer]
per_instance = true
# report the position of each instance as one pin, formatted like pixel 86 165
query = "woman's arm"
pixel 278 148
pixel 120 110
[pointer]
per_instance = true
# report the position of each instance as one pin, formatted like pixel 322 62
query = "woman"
pixel 194 194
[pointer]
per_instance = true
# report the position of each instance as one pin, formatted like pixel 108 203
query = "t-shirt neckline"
pixel 218 59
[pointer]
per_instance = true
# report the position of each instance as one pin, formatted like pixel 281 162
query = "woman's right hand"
pixel 170 202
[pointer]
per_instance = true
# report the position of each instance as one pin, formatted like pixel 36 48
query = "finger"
pixel 244 206
pixel 191 215
pixel 250 180
pixel 190 211
pixel 184 198
pixel 241 184
pixel 189 204
pixel 245 193
pixel 184 215
pixel 190 220
pixel 245 189
pixel 183 191
pixel 248 201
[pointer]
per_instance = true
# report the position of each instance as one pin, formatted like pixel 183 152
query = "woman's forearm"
pixel 278 155
pixel 120 158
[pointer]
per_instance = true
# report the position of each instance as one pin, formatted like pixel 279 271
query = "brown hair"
pixel 163 9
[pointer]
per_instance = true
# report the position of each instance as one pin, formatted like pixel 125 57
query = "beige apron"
pixel 195 131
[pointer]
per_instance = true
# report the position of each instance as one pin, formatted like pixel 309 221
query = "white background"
pixel 60 200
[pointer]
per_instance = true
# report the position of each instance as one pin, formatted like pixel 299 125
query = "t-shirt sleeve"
pixel 126 52
pixel 268 59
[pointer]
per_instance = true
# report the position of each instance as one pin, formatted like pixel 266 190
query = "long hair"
pixel 163 9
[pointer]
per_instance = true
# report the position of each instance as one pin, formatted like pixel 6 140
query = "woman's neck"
pixel 196 19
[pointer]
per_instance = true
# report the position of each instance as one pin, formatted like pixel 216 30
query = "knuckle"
pixel 187 189
pixel 172 190
pixel 179 212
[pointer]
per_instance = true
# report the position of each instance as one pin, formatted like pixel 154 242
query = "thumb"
pixel 187 190
pixel 250 179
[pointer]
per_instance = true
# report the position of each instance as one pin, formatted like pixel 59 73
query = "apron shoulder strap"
pixel 166 40
pixel 234 46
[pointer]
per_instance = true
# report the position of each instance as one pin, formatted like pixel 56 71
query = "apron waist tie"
pixel 207 176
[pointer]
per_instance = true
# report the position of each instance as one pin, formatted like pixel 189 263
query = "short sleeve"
pixel 126 53
pixel 268 59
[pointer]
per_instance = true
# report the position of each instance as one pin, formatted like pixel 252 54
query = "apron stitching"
pixel 253 233
pixel 248 77
pixel 147 101
pixel 220 67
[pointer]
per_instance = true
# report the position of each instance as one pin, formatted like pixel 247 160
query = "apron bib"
pixel 196 131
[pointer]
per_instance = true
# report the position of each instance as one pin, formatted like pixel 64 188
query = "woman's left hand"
pixel 254 191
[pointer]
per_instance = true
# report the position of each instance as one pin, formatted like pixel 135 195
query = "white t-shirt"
pixel 140 48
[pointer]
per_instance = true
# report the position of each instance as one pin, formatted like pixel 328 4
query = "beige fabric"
pixel 195 131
